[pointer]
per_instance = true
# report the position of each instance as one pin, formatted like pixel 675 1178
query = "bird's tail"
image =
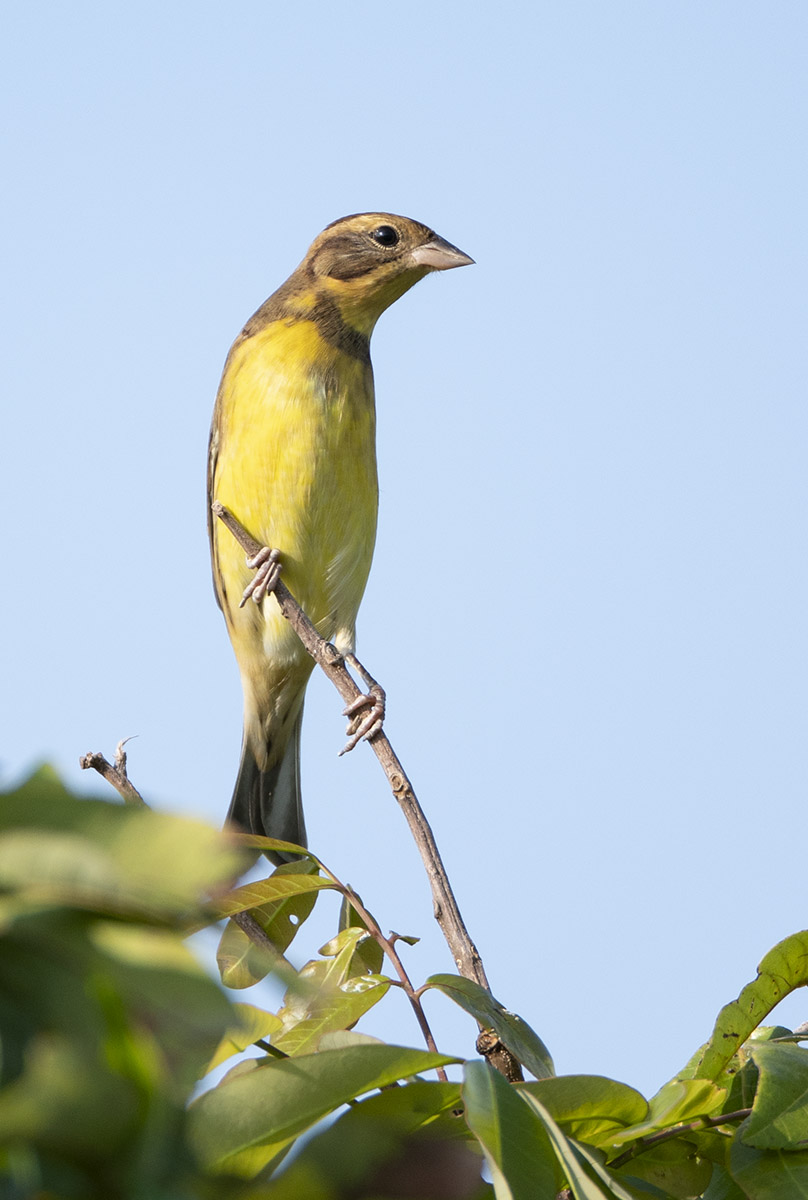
pixel 267 801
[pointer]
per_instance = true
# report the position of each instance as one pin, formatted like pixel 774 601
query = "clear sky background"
pixel 588 603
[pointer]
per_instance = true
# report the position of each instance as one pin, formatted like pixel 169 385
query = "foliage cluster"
pixel 108 1022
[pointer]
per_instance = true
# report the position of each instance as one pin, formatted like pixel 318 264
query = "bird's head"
pixel 366 261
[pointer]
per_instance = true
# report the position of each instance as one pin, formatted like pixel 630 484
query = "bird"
pixel 292 455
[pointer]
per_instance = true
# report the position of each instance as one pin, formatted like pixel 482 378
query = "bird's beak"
pixel 439 255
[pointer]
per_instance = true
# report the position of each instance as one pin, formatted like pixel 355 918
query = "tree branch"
pixel 114 773
pixel 447 914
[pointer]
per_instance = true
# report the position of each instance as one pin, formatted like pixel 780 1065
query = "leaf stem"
pixel 653 1139
pixel 374 929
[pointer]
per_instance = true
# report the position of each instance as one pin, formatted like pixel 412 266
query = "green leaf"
pixel 679 1101
pixel 241 962
pixel 364 949
pixel 675 1167
pixel 255 841
pixel 589 1107
pixel 587 1177
pixel 343 1039
pixel 58 849
pixel 42 986
pixel 323 998
pixel 723 1187
pixel 412 1128
pixel 243 1123
pixel 779 1117
pixel 641 1189
pixel 328 1011
pixel 343 941
pixel 713 1143
pixel 369 954
pixel 769 1174
pixel 517 1148
pixel 105 1016
pixel 683 1100
pixel 512 1031
pixel 781 971
pixel 68 1101
pixel 166 991
pixel 282 920
pixel 253 1023
pixel 267 891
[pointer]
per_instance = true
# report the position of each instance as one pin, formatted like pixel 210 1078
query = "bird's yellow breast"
pixel 294 459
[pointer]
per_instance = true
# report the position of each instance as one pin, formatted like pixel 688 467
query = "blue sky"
pixel 589 594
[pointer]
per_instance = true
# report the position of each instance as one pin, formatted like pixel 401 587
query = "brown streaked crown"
pixel 366 243
pixel 355 269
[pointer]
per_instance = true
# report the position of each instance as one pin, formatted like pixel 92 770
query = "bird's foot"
pixel 267 569
pixel 363 726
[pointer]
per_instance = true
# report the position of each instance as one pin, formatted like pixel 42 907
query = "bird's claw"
pixel 267 569
pixel 363 728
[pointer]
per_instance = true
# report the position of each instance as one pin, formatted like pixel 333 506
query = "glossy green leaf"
pixel 321 975
pixel 517 1148
pixel 769 1174
pixel 332 1009
pixel 512 1031
pixel 779 1117
pixel 268 891
pixel 589 1107
pixel 240 1125
pixel 781 971
pixel 323 998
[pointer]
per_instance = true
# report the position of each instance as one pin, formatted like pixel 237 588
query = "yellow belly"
pixel 296 464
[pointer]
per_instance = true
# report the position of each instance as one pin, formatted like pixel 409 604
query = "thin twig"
pixel 114 773
pixel 388 946
pixel 665 1135
pixel 447 914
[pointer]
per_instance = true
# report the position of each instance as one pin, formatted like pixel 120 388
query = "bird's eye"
pixel 385 235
